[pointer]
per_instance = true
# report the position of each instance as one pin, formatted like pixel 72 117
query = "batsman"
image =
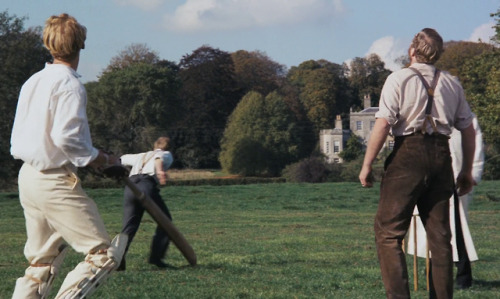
pixel 148 170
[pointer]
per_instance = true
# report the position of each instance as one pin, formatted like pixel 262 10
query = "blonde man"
pixel 51 136
pixel 148 170
pixel 420 105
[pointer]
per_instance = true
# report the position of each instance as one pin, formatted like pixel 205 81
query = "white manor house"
pixel 333 141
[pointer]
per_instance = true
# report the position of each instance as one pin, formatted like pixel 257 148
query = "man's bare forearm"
pixel 376 141
pixel 375 144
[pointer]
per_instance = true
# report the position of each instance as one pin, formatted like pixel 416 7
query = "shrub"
pixel 350 171
pixel 335 172
pixel 309 170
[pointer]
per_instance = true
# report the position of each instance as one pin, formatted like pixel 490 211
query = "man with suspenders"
pixel 148 170
pixel 420 105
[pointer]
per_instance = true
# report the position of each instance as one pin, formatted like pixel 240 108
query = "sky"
pixel 288 31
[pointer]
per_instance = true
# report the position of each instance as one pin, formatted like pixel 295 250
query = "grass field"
pixel 262 241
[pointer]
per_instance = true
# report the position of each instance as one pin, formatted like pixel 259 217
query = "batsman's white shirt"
pixel 143 163
pixel 50 127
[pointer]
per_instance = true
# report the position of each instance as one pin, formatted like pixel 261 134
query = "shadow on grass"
pixel 170 267
pixel 153 268
pixel 487 284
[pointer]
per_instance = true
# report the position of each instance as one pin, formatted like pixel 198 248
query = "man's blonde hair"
pixel 162 143
pixel 428 46
pixel 64 37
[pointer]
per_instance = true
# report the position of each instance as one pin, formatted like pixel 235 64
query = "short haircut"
pixel 428 46
pixel 64 37
pixel 162 143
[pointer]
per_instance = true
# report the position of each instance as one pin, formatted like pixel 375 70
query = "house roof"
pixel 370 110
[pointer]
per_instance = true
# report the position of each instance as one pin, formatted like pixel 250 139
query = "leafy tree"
pixel 209 94
pixel 135 53
pixel 318 98
pixel 323 91
pixel 21 55
pixel 261 136
pixel 256 71
pixel 291 97
pixel 367 77
pixel 482 86
pixel 456 53
pixel 481 80
pixel 129 107
pixel 353 149
pixel 496 17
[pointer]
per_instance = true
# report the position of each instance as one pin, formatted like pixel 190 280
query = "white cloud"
pixel 483 33
pixel 205 15
pixel 389 49
pixel 142 4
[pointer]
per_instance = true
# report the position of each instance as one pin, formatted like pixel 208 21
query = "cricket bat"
pixel 163 221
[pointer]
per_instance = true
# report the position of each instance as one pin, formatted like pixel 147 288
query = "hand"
pixel 104 160
pixel 366 176
pixel 162 177
pixel 465 183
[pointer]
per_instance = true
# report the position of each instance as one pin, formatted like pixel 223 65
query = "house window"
pixel 359 125
pixel 372 124
pixel 327 147
pixel 336 146
pixel 391 145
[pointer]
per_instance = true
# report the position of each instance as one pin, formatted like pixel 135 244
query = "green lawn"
pixel 262 241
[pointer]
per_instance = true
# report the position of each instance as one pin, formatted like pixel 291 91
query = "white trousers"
pixel 57 210
pixel 466 234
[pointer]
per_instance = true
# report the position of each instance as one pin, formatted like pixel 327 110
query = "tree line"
pixel 241 111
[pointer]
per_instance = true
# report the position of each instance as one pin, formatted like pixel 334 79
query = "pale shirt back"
pixel 457 154
pixel 51 127
pixel 143 163
pixel 404 98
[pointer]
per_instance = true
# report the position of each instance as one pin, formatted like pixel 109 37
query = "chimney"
pixel 338 122
pixel 367 101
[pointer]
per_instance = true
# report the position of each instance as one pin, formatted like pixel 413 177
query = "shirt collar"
pixel 421 66
pixel 62 66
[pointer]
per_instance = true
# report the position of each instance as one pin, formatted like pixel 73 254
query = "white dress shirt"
pixel 50 127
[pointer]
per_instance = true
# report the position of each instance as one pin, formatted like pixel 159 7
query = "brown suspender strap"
pixel 430 97
pixel 144 160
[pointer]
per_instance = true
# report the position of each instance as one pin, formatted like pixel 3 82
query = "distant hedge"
pixel 110 183
pixel 226 181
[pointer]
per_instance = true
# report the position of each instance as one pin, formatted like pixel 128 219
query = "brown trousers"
pixel 418 172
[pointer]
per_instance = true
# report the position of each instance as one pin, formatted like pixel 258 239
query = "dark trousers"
pixel 464 270
pixel 133 212
pixel 418 172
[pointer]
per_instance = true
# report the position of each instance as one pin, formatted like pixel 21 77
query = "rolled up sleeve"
pixel 389 104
